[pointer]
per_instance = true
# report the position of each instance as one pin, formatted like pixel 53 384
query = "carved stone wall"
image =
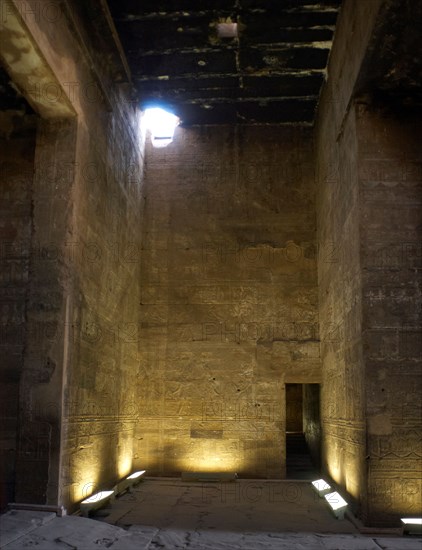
pixel 368 209
pixel 339 273
pixel 17 146
pixel 390 173
pixel 343 387
pixel 101 384
pixel 228 298
pixel 77 387
pixel 164 318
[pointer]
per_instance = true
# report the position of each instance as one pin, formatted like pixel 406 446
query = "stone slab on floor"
pixel 252 505
pixel 223 540
pixel 77 533
pixel 71 532
pixel 389 543
pixel 18 523
pixel 168 514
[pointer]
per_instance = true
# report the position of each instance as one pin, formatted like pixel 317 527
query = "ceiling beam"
pixel 162 9
pixel 222 48
pixel 200 76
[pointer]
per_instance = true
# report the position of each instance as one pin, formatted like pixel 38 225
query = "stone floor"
pixel 170 514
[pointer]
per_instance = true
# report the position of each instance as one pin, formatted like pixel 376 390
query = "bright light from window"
pixel 161 124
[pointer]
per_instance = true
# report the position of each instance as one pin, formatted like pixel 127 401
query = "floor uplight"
pixel 128 482
pixel 94 502
pixel 337 504
pixel 136 475
pixel 412 526
pixel 321 487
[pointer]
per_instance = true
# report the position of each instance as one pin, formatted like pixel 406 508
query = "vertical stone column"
pixel 390 178
pixel 17 149
pixel 49 315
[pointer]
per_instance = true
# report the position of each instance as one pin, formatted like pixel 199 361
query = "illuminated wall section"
pixel 78 385
pixel 368 171
pixel 340 273
pixel 228 298
pixel 342 391
pixel 390 183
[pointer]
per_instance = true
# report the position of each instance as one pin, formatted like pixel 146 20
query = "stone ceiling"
pixel 271 72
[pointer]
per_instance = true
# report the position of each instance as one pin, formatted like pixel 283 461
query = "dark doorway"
pixel 294 408
pixel 312 421
pixel 303 432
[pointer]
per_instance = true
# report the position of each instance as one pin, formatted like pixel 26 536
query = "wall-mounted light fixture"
pixel 337 504
pixel 227 29
pixel 94 502
pixel 412 526
pixel 161 124
pixel 321 487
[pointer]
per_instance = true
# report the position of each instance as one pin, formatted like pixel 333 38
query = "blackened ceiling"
pixel 392 70
pixel 271 73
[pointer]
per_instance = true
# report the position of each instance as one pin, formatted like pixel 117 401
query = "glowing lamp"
pixel 129 482
pixel 337 504
pixel 94 502
pixel 136 475
pixel 412 526
pixel 321 487
pixel 161 124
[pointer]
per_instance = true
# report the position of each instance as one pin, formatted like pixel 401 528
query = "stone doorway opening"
pixel 303 431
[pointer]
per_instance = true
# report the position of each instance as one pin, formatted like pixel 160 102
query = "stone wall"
pixel 342 392
pixel 164 318
pixel 390 173
pixel 17 145
pixel 229 298
pixel 100 393
pixel 40 394
pixel 343 425
pixel 77 388
pixel 368 209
